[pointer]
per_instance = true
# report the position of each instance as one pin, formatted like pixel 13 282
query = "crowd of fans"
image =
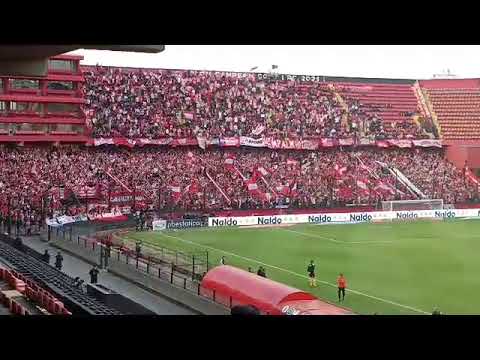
pixel 192 179
pixel 166 103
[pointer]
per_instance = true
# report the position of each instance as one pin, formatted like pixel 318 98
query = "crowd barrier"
pixel 342 218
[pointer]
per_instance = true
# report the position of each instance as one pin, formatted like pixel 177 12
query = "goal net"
pixel 406 205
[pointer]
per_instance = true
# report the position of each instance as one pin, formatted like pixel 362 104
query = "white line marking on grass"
pixel 338 241
pixel 296 274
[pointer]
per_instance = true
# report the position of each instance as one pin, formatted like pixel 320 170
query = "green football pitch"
pixel 391 268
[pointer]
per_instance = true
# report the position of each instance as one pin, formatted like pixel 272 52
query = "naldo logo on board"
pixel 406 215
pixel 360 217
pixel 224 222
pixel 445 214
pixel 272 220
pixel 319 219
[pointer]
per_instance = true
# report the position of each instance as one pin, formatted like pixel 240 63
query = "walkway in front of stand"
pixel 77 267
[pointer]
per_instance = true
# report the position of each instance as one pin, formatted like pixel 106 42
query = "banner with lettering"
pixel 124 197
pixel 401 143
pixel 268 142
pixel 248 141
pixel 383 144
pixel 346 142
pixel 427 143
pixel 230 141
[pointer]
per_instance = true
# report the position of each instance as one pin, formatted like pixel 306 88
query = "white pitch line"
pixel 296 274
pixel 338 241
pixel 317 236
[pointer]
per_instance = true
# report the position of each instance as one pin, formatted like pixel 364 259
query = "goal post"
pixel 407 205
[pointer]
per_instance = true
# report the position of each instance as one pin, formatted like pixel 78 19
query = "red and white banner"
pixel 471 176
pixel 362 184
pixel 340 171
pixel 84 192
pixel 202 142
pixel 248 141
pixel 258 130
pixel 366 142
pixel 184 142
pixel 262 171
pixel 176 192
pixel 124 197
pixel 381 187
pixel 164 141
pixel 401 143
pixel 346 142
pixel 310 144
pixel 327 142
pixel 231 141
pixel 193 188
pixel 427 143
pixel 269 142
pixel 383 144
pixel 188 115
pixel 102 141
pixel 252 187
pixel 228 163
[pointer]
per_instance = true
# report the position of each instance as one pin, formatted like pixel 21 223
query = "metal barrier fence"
pixel 15 229
pixel 163 271
pixel 193 264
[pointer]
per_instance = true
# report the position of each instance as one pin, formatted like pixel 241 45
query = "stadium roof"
pixel 31 60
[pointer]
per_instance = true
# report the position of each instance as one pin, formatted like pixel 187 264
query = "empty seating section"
pixel 458 112
pixel 30 271
pixel 394 104
pixel 24 297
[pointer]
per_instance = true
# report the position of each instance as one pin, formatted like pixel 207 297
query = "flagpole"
pixel 158 208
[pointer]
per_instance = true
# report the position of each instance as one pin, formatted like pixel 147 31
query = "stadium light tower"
pixel 273 69
pixel 445 75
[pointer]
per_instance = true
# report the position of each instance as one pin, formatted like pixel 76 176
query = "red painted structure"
pixel 239 287
pixel 44 109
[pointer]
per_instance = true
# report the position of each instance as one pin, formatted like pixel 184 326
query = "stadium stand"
pixel 255 178
pixel 457 106
pixel 29 269
pixel 146 124
pixel 22 296
pixel 191 103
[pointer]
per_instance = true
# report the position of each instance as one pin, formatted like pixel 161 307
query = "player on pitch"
pixel 342 284
pixel 311 274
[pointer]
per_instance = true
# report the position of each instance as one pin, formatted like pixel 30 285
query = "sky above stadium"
pixel 388 61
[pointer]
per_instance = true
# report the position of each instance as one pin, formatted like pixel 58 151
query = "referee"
pixel 311 274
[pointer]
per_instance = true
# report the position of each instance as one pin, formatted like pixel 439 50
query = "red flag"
pixel 252 186
pixel 262 171
pixel 176 192
pixel 202 142
pixel 384 188
pixel 229 161
pixel 340 171
pixel 194 188
pixel 283 189
pixel 293 190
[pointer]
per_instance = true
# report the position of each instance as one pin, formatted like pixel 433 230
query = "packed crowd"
pixel 192 179
pixel 164 103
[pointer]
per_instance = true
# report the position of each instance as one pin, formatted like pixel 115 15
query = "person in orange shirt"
pixel 342 284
